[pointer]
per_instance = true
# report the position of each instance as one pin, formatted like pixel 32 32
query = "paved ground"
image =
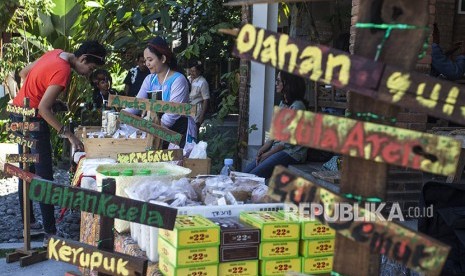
pixel 46 268
pixel 10 218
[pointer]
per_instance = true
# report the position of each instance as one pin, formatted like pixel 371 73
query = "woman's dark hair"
pixel 94 52
pixel 293 88
pixel 159 47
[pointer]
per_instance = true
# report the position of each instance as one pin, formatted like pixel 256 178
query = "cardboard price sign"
pixel 21 140
pixel 152 105
pixel 414 250
pixel 21 126
pixel 149 127
pixel 106 205
pixel 150 156
pixel 84 255
pixel 412 90
pixel 380 143
pixel 20 158
pixel 23 111
pixel 15 171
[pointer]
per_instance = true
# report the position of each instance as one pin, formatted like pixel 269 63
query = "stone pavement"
pixel 11 230
pixel 10 218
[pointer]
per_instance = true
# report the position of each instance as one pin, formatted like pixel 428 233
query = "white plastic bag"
pixel 199 151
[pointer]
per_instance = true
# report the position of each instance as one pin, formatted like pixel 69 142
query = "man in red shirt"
pixel 44 80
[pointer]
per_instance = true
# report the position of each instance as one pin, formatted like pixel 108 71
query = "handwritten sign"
pixel 149 127
pixel 414 250
pixel 152 105
pixel 23 111
pixel 110 206
pixel 21 140
pixel 84 255
pixel 150 156
pixel 20 158
pixel 361 75
pixel 386 144
pixel 21 174
pixel 20 126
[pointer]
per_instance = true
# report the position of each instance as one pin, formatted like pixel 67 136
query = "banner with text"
pixel 380 143
pixel 414 250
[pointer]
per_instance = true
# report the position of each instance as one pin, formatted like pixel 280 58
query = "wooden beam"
pixel 375 142
pixel 21 174
pixel 20 158
pixel 102 204
pixel 152 105
pixel 363 177
pixel 370 230
pixel 87 256
pixel 380 81
pixel 22 140
pixel 21 111
pixel 149 127
pixel 150 156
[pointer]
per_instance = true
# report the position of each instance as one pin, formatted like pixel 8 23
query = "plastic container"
pixel 122 182
pixel 127 172
pixel 152 246
pixel 228 167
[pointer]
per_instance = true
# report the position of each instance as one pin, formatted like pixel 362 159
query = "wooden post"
pixel 363 177
pixel 25 255
pixel 106 235
pixel 26 205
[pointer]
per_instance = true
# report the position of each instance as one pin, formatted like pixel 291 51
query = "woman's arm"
pixel 45 111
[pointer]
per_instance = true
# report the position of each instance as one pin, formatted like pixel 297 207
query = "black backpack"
pixel 448 221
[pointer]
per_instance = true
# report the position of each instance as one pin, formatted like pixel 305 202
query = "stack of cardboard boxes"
pixel 239 247
pixel 316 246
pixel 279 246
pixel 191 248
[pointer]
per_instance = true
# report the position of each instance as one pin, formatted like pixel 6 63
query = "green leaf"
pixel 121 43
pixel 137 18
pixel 93 4
pixel 120 13
pixel 165 18
pixel 62 7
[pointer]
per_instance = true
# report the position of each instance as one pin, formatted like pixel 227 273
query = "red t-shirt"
pixel 50 69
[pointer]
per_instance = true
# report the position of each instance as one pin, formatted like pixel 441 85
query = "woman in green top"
pixel 274 153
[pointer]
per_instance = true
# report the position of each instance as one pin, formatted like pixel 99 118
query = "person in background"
pixel 441 63
pixel 274 153
pixel 135 77
pixel 102 82
pixel 200 93
pixel 174 87
pixel 44 80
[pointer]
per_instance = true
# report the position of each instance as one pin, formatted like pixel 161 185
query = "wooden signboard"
pixel 23 126
pixel 22 158
pixel 355 73
pixel 414 250
pixel 385 144
pixel 152 105
pixel 21 140
pixel 21 174
pixel 149 127
pixel 86 256
pixel 150 156
pixel 21 111
pixel 110 206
